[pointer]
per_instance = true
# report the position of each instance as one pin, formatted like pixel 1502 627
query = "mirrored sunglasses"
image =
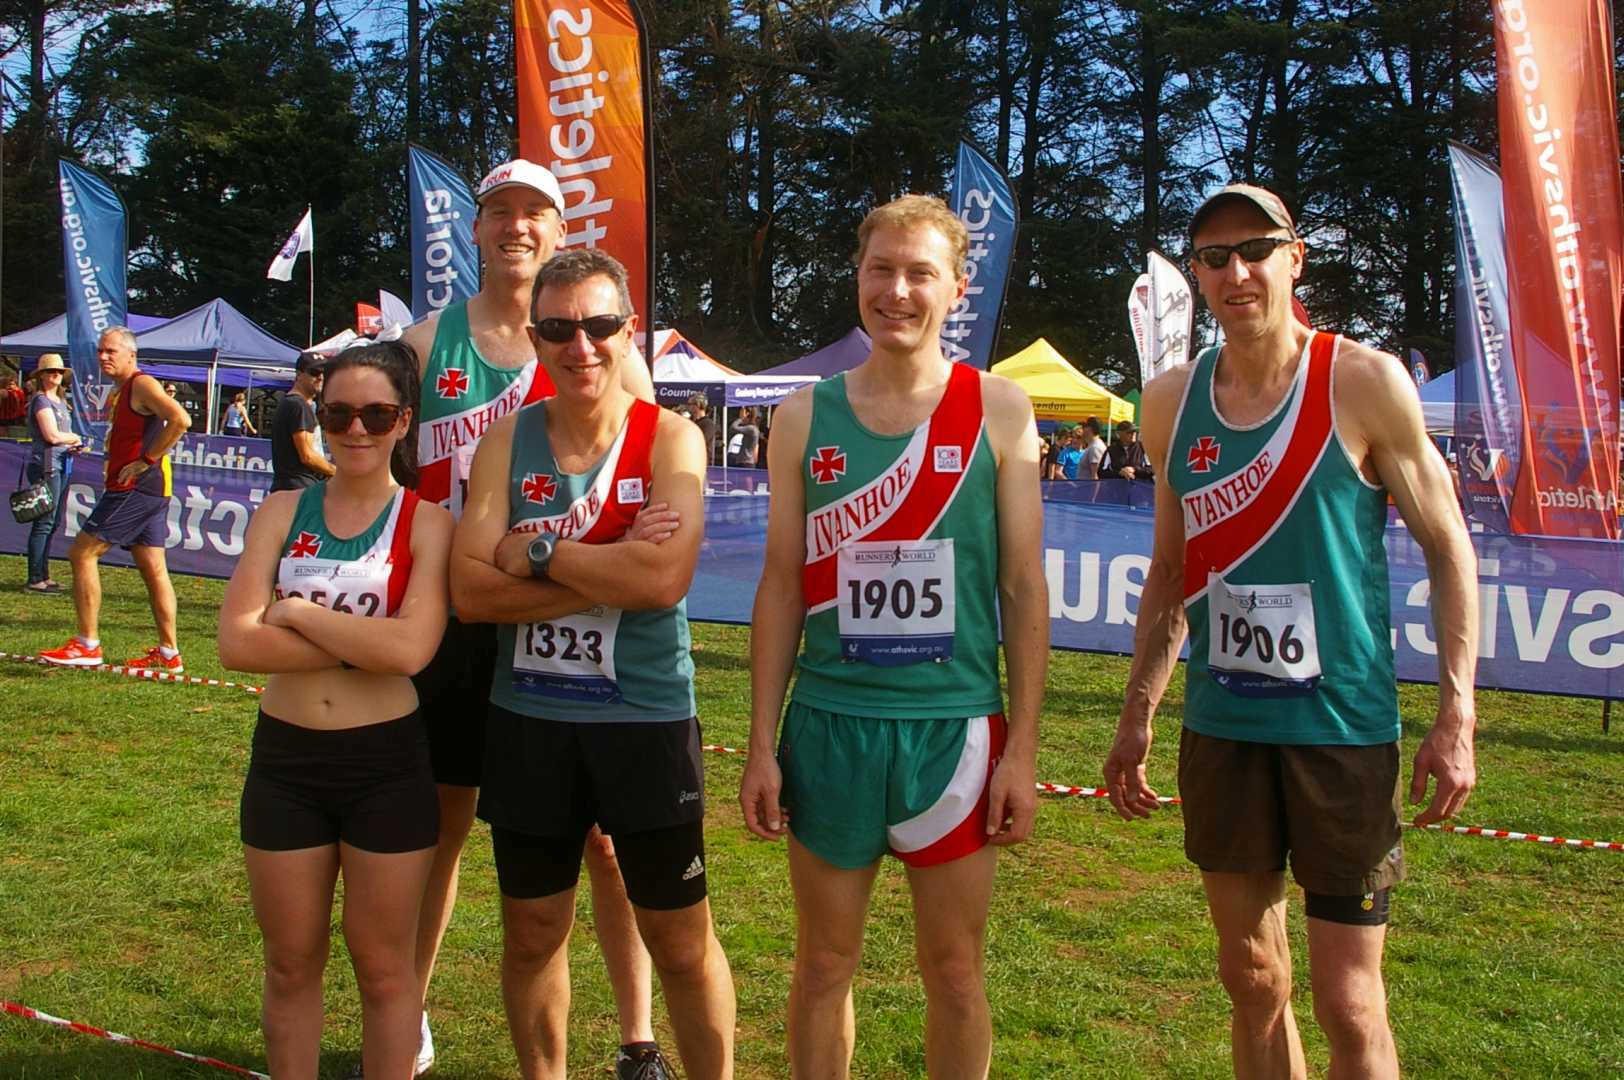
pixel 1216 256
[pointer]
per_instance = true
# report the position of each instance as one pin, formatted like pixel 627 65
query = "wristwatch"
pixel 541 553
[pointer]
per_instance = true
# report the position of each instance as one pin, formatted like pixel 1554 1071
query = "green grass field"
pixel 123 901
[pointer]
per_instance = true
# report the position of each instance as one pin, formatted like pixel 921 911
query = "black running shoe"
pixel 646 1063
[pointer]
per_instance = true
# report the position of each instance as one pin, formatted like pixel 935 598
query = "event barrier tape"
pixel 1049 789
pixel 136 673
pixel 1458 830
pixel 112 1036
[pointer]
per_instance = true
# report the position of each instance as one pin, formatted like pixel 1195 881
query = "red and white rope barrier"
pixel 1458 830
pixel 112 1036
pixel 136 673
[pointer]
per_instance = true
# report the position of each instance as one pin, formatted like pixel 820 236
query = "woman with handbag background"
pixel 50 425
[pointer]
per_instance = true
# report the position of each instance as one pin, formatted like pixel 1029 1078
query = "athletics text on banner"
pixel 1488 405
pixel 94 248
pixel 584 114
pixel 445 262
pixel 984 202
pixel 1559 164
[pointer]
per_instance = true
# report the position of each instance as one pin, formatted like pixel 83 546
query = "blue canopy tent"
pixel 842 355
pixel 52 336
pixel 1438 403
pixel 234 350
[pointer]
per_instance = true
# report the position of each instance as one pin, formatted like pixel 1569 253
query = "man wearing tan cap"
pixel 1275 454
pixel 478 365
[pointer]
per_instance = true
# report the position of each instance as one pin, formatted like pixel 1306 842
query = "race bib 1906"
pixel 571 657
pixel 896 601
pixel 1261 640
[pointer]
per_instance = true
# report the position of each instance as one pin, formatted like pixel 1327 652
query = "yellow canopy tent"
pixel 1058 390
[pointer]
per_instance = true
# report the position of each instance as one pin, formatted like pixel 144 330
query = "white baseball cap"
pixel 523 174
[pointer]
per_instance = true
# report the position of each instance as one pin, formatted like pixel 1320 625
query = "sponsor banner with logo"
pixel 583 69
pixel 445 262
pixel 1552 610
pixel 1488 405
pixel 1139 323
pixel 983 200
pixel 94 248
pixel 1559 156
pixel 1172 314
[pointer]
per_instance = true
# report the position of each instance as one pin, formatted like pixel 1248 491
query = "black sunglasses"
pixel 562 331
pixel 1216 256
pixel 377 418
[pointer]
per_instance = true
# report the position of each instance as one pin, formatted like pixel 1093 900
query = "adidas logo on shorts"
pixel 695 868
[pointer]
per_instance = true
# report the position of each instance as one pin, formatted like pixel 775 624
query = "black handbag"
pixel 31 502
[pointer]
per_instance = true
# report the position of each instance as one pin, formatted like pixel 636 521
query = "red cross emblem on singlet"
pixel 1203 455
pixel 307 546
pixel 828 464
pixel 452 383
pixel 539 487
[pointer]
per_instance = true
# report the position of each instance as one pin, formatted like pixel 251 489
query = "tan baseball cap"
pixel 521 173
pixel 1265 200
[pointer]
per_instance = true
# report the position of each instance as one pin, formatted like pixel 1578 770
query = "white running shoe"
pixel 425 1049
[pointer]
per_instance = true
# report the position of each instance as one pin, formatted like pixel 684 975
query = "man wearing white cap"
pixel 478 365
pixel 1275 454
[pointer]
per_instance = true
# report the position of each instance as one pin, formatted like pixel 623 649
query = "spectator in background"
pixel 296 459
pixel 48 461
pixel 169 388
pixel 235 421
pixel 1126 458
pixel 699 413
pixel 744 439
pixel 1093 448
pixel 13 402
pixel 1068 456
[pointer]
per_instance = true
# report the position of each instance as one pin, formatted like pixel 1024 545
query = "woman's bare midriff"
pixel 337 698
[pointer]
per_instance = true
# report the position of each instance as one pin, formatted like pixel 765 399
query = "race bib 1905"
pixel 896 601
pixel 1261 640
pixel 571 657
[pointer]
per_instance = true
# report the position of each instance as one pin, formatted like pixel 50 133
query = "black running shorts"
pixel 451 694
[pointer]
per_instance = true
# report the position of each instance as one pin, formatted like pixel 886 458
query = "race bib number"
pixel 572 657
pixel 896 601
pixel 348 588
pixel 1261 640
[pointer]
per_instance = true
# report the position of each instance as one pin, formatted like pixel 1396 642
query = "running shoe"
pixel 44 587
pixel 73 654
pixel 155 660
pixel 425 1049
pixel 646 1063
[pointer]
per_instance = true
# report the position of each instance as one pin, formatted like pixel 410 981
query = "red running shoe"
pixel 155 661
pixel 73 654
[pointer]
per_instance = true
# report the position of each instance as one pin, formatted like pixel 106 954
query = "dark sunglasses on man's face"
pixel 562 331
pixel 1216 256
pixel 377 418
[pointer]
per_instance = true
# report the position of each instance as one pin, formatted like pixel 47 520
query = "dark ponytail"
pixel 399 363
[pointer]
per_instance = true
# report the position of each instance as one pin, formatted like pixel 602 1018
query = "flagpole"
pixel 310 333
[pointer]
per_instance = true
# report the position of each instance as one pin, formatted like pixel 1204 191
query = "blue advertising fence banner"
pixel 94 249
pixel 1552 610
pixel 445 262
pixel 1488 405
pixel 983 200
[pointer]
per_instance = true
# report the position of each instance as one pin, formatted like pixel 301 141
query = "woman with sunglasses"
pixel 339 777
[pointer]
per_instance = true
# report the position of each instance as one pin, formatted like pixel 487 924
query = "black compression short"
pixel 369 787
pixel 664 869
pixel 451 693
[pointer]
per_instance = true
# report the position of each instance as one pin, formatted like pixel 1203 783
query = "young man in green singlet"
pixel 905 522
pixel 477 365
pixel 592 713
pixel 1275 454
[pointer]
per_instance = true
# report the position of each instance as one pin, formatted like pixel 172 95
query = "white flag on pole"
pixel 302 239
pixel 1172 315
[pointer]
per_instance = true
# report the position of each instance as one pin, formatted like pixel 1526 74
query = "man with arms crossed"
pixel 1275 454
pixel 905 521
pixel 133 512
pixel 478 365
pixel 592 717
